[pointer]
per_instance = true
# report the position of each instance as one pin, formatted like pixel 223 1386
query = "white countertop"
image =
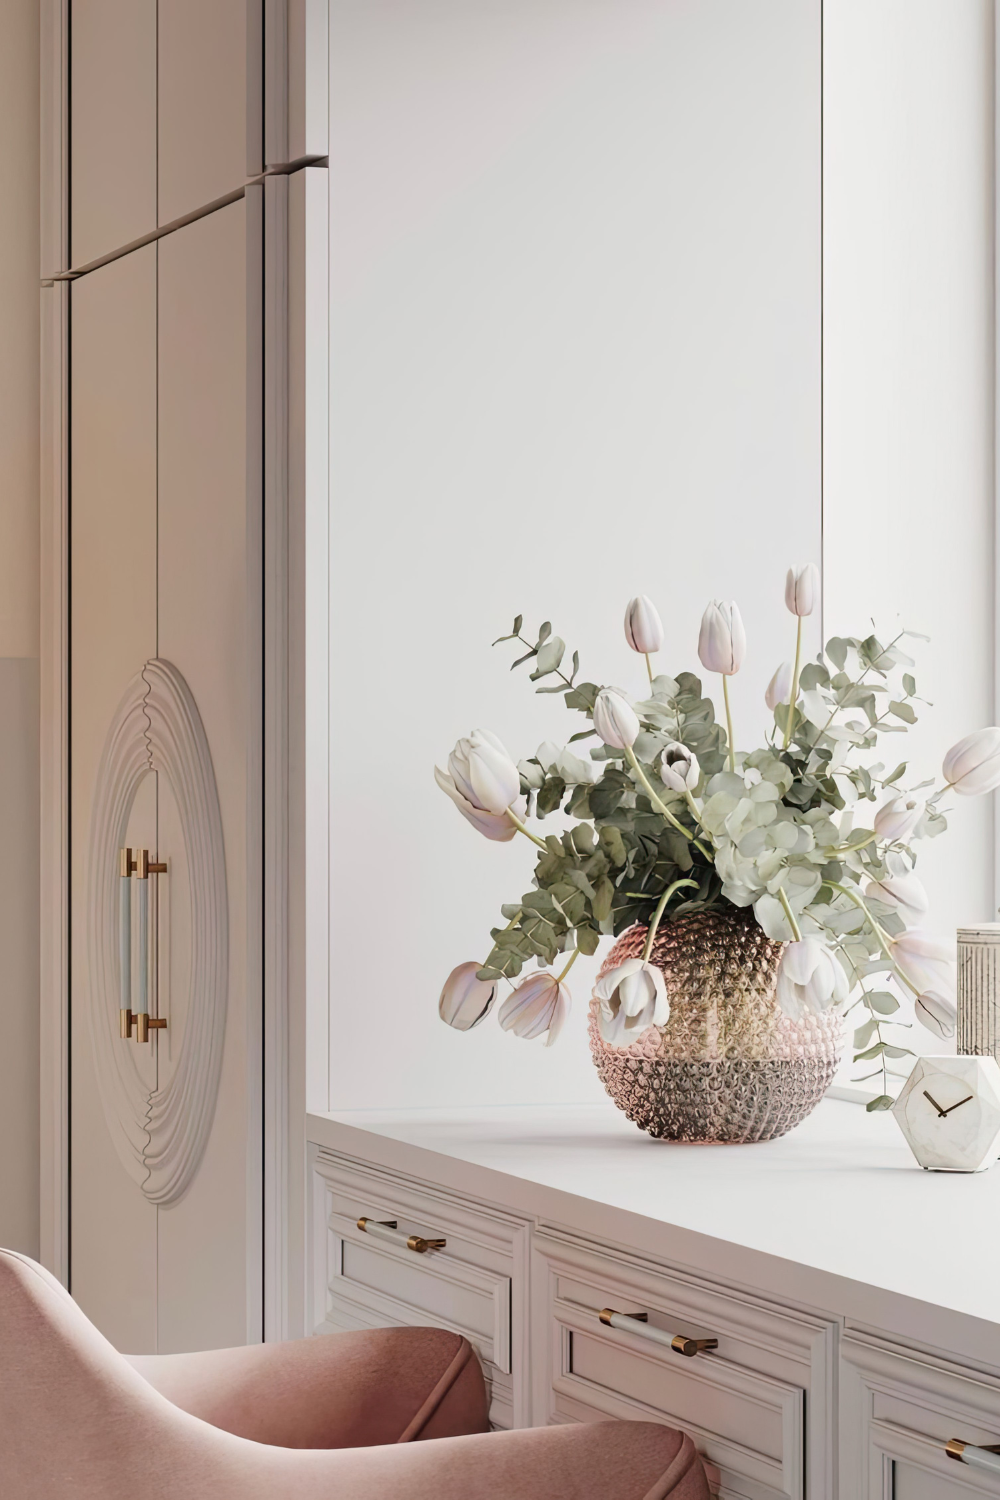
pixel 837 1215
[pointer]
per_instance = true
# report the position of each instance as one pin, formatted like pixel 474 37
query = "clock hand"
pixel 941 1112
pixel 961 1101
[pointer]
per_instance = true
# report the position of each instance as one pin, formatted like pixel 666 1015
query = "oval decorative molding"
pixel 161 1134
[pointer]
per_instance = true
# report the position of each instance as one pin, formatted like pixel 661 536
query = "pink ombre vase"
pixel 729 1065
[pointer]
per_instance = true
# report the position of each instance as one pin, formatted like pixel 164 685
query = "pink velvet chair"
pixel 346 1417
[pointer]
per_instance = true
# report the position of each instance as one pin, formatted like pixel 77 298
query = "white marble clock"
pixel 949 1111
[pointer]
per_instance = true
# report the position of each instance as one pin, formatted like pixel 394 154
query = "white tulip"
pixel 679 768
pixel 722 642
pixel 810 978
pixel 973 765
pixel 904 892
pixel 539 1005
pixel 484 773
pixel 802 588
pixel 633 997
pixel 615 719
pixel 496 826
pixel 466 1000
pixel 897 818
pixel 643 626
pixel 925 962
pixel 936 1012
pixel 779 689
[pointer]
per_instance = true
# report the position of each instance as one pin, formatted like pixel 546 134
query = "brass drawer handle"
pixel 385 1229
pixel 976 1458
pixel 679 1343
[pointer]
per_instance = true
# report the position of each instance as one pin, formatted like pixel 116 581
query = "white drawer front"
pixel 744 1403
pixel 474 1286
pixel 898 1409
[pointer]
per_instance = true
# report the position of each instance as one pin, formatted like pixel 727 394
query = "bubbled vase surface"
pixel 729 1065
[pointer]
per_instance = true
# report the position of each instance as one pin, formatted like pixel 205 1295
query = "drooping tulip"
pixel 779 689
pixel 496 826
pixel 615 719
pixel 466 1000
pixel 538 1007
pixel 904 892
pixel 484 773
pixel 810 978
pixel 802 588
pixel 925 962
pixel 722 641
pixel 633 997
pixel 679 768
pixel 897 818
pixel 973 765
pixel 937 1013
pixel 643 626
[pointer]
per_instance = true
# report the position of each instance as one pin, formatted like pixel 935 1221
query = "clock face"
pixel 949 1111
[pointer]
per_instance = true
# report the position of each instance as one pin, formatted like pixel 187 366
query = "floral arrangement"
pixel 811 830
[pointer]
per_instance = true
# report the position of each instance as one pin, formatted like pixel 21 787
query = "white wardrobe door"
pixel 210 1286
pixel 113 592
pixel 202 103
pixel 113 124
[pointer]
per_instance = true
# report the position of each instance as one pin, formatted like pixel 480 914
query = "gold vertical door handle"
pixel 141 866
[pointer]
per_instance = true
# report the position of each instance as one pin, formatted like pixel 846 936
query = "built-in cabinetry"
pixel 785 1397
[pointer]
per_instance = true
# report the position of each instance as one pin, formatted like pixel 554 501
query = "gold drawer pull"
pixel 385 1229
pixel 680 1343
pixel 976 1458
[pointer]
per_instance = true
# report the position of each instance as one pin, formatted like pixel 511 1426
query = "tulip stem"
pixel 573 958
pixel 884 940
pixel 796 929
pixel 729 723
pixel 661 808
pixel 795 685
pixel 649 668
pixel 850 848
pixel 647 947
pixel 512 815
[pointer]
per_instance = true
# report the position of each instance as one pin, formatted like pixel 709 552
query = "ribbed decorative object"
pixel 729 1065
pixel 979 990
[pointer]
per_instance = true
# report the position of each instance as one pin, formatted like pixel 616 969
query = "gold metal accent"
pixel 607 1313
pixel 125 866
pixel 421 1246
pixel 125 1019
pixel 145 1023
pixel 954 1449
pixel 681 1344
pixel 142 865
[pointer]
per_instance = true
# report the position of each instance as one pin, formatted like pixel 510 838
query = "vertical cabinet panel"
pixel 202 102
pixel 209 1288
pixel 113 624
pixel 113 125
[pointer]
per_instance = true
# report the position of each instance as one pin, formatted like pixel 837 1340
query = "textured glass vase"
pixel 729 1065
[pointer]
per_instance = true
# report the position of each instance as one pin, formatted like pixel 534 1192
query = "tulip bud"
pixel 484 773
pixel 973 765
pixel 936 1012
pixel 897 818
pixel 802 588
pixel 679 768
pixel 810 979
pixel 539 1005
pixel 466 1000
pixel 779 689
pixel 722 641
pixel 615 719
pixel 924 962
pixel 904 892
pixel 643 627
pixel 496 826
pixel 633 997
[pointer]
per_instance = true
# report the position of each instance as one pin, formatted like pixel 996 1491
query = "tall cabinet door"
pixel 165 747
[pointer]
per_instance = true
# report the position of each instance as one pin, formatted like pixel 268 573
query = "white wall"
pixel 908 378
pixel 19 625
pixel 575 326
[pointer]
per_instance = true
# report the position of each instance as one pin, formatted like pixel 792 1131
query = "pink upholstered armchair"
pixel 345 1417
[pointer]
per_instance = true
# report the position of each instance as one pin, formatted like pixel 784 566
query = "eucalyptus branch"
pixel 884 940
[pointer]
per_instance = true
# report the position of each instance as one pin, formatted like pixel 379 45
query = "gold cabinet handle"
pixel 679 1343
pixel 141 866
pixel 387 1229
pixel 987 1459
